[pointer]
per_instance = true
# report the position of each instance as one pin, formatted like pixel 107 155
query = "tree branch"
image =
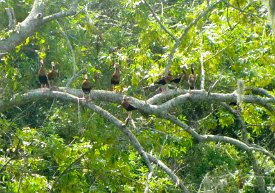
pixel 182 96
pixel 68 168
pixel 202 69
pixel 203 96
pixel 33 21
pixel 220 51
pixel 70 46
pixel 259 91
pixel 158 20
pixel 70 81
pixel 141 105
pixel 208 138
pixel 256 167
pixel 239 119
pixel 25 28
pixel 175 178
pixel 185 32
pixel 12 18
pixel 134 141
pixel 241 10
pixel 71 11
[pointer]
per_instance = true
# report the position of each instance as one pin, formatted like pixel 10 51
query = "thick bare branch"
pixel 182 96
pixel 163 97
pixel 259 175
pixel 25 28
pixel 33 21
pixel 260 91
pixel 216 97
pixel 71 95
pixel 41 94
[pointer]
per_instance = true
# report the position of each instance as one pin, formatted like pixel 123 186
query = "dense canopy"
pixel 210 130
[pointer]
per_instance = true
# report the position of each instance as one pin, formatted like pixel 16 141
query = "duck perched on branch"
pixel 52 74
pixel 86 87
pixel 42 75
pixel 192 78
pixel 115 79
pixel 181 77
pixel 129 108
pixel 163 81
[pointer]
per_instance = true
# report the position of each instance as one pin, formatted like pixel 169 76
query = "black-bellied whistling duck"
pixel 182 77
pixel 42 75
pixel 192 78
pixel 176 80
pixel 129 108
pixel 86 87
pixel 52 74
pixel 164 81
pixel 115 77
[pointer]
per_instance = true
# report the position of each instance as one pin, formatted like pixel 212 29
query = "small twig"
pixel 70 11
pixel 48 114
pixel 241 10
pixel 207 116
pixel 70 46
pixel 260 125
pixel 212 86
pixel 149 176
pixel 227 18
pixel 204 178
pixel 134 125
pixel 158 20
pixel 162 147
pixel 70 81
pixel 16 150
pixel 4 53
pixel 220 51
pixel 66 170
pixel 161 133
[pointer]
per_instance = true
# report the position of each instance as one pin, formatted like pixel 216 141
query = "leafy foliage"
pixel 51 145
